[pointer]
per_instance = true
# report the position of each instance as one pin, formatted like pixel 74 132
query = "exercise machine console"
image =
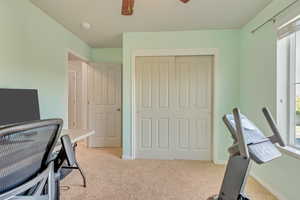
pixel 250 144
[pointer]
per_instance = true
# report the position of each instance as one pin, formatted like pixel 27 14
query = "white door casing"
pixel 72 99
pixel 173 107
pixel 104 91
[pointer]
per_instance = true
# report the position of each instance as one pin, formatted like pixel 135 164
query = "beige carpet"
pixel 110 178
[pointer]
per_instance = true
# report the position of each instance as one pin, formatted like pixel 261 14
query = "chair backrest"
pixel 25 150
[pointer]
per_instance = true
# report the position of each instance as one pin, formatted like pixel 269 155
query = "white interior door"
pixel 104 88
pixel 173 104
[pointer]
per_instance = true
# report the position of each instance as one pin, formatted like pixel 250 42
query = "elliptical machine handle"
pixel 276 138
pixel 240 135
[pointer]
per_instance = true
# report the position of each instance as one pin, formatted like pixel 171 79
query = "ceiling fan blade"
pixel 127 7
pixel 184 1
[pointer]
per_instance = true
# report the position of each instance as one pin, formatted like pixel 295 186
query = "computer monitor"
pixel 18 105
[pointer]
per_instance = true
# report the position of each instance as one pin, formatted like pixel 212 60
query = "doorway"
pixel 94 100
pixel 77 92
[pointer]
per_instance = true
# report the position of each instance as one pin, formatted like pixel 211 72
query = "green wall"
pixel 226 75
pixel 109 55
pixel 258 89
pixel 33 54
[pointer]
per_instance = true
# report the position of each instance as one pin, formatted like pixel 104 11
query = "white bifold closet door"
pixel 173 107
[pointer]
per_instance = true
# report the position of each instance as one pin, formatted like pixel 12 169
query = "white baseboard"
pixel 217 162
pixel 220 162
pixel 276 193
pixel 126 157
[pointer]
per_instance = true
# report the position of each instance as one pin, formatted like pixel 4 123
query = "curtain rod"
pixel 273 18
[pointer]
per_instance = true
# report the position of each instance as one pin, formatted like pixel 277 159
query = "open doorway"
pixel 94 100
pixel 77 93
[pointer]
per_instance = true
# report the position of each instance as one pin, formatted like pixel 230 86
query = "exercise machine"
pixel 250 144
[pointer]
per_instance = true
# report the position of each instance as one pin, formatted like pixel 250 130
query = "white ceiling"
pixel 149 15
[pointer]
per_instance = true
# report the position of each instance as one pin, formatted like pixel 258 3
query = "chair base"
pixel 42 187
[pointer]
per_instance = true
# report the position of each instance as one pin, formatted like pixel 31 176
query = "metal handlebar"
pixel 230 128
pixel 239 133
pixel 276 138
pixel 240 146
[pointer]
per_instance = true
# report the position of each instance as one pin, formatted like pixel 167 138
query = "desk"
pixel 76 135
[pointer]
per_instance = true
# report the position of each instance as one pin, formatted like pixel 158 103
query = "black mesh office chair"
pixel 26 166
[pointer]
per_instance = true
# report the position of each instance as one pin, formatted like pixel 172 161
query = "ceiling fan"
pixel 127 6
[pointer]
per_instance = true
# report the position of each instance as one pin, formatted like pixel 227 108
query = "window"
pixel 288 85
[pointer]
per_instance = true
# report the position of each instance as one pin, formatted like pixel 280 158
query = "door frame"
pixel 174 52
pixel 76 100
